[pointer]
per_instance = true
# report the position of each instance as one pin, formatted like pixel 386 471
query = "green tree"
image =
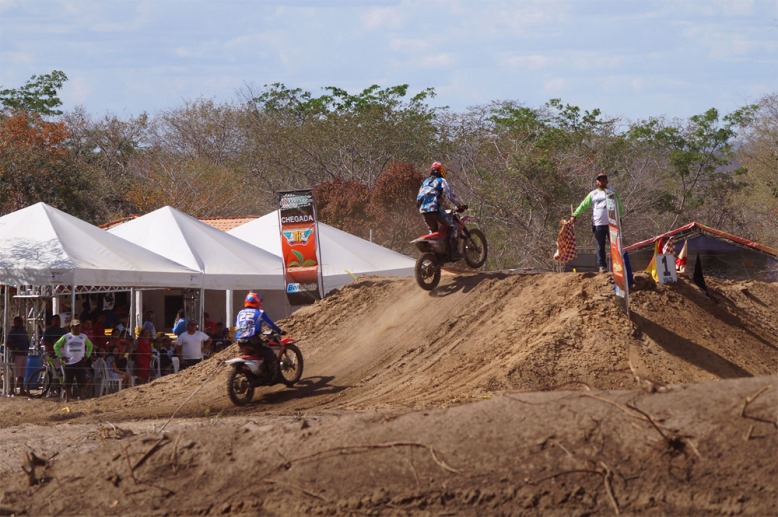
pixel 695 175
pixel 298 140
pixel 38 95
pixel 757 201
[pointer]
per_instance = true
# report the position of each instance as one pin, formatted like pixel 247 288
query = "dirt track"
pixel 482 397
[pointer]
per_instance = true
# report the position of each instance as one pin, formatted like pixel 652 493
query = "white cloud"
pixel 16 57
pixel 531 62
pixel 77 90
pixel 382 18
pixel 409 45
pixel 596 61
pixel 555 86
pixel 434 61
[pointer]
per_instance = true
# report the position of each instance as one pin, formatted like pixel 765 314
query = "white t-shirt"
pixel 74 347
pixel 192 344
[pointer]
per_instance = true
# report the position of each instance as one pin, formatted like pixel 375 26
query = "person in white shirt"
pixel 192 345
pixel 74 348
pixel 597 201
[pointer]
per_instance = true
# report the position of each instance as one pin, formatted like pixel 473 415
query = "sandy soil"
pixel 496 394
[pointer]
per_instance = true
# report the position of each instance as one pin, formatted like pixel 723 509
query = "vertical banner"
pixel 299 231
pixel 620 281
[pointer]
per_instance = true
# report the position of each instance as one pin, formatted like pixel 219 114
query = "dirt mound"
pixel 428 361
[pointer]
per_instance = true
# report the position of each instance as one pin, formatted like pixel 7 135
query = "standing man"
pixel 148 324
pixel 192 343
pixel 180 325
pixel 19 345
pixel 52 333
pixel 74 348
pixel 597 201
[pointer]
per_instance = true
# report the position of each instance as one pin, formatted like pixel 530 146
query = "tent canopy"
pixel 226 262
pixel 342 254
pixel 722 254
pixel 40 245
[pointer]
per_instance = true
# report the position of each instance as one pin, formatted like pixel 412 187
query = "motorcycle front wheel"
pixel 475 249
pixel 290 365
pixel 427 271
pixel 239 387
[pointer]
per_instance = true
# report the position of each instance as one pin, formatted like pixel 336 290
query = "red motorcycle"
pixel 469 243
pixel 248 372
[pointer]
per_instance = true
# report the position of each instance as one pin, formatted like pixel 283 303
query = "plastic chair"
pixel 107 385
pixel 155 368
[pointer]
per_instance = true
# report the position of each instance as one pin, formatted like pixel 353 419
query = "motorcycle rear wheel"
pixel 427 271
pixel 290 365
pixel 239 387
pixel 475 249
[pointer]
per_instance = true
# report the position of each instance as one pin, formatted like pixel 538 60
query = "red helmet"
pixel 436 169
pixel 253 300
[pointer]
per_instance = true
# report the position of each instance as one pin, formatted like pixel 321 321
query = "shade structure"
pixel 226 262
pixel 343 255
pixel 41 245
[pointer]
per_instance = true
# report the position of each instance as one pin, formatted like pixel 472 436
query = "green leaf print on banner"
pixel 298 262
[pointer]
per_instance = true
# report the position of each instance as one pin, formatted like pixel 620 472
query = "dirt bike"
pixel 469 243
pixel 248 371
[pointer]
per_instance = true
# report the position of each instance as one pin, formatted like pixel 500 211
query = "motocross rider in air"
pixel 431 201
pixel 248 327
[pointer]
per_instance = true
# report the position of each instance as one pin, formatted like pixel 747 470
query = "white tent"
pixel 226 262
pixel 40 245
pixel 343 255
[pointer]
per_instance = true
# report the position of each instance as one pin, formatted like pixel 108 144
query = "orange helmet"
pixel 436 169
pixel 253 300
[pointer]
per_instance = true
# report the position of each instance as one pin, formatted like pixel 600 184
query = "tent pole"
pixel 227 308
pixel 138 313
pixel 201 317
pixel 73 313
pixel 5 314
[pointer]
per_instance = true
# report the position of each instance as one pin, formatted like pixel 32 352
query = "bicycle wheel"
pixel 39 383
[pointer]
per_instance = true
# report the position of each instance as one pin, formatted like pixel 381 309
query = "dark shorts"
pixel 76 372
pixel 186 363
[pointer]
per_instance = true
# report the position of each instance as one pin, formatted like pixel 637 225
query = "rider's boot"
pixel 270 371
pixel 453 249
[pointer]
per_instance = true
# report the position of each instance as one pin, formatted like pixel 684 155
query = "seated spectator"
pixel 221 338
pixel 116 340
pixel 117 366
pixel 164 346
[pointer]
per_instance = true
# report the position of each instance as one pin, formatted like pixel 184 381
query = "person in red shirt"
pixel 98 331
pixel 142 356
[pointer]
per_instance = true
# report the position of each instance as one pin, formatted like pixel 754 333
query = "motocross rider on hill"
pixel 248 328
pixel 431 201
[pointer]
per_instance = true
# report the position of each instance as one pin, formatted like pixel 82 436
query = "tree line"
pixel 520 168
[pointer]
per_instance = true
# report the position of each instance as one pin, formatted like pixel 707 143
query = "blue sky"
pixel 632 59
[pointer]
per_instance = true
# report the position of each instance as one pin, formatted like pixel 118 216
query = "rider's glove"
pixel 462 208
pixel 283 332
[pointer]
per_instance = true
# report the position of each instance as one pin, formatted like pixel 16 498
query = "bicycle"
pixel 48 380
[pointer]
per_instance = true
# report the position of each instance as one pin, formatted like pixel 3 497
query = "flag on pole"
pixel 652 265
pixel 680 262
